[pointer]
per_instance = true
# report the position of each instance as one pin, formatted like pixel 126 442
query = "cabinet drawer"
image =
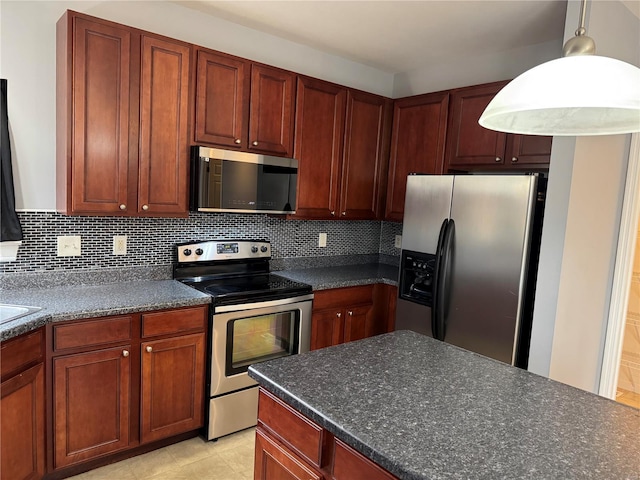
pixel 18 353
pixel 87 333
pixel 301 434
pixel 174 321
pixel 351 465
pixel 341 297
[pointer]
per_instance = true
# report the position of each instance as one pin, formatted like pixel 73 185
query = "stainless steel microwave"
pixel 228 181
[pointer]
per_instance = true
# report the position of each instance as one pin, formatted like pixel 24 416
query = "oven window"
pixel 264 337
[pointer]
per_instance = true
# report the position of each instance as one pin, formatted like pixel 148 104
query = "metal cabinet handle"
pixel 238 141
pixel 254 143
pixel 514 159
pixel 123 207
pixel 149 349
pixel 498 159
pixel 350 313
pixel 125 353
pixel 338 314
pixel 333 213
pixel 145 207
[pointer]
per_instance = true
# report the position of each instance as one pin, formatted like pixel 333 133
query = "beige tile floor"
pixel 230 458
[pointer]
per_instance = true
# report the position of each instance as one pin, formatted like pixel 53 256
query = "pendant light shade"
pixel 569 96
pixel 578 94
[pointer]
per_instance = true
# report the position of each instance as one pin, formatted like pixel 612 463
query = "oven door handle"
pixel 253 305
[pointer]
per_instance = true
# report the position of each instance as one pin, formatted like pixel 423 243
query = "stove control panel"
pixel 223 250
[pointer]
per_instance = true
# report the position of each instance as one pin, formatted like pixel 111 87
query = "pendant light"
pixel 578 94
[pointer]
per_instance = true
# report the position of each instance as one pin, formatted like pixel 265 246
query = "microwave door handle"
pixel 436 280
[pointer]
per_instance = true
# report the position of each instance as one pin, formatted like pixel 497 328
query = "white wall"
pixel 27 61
pixel 475 70
pixel 584 204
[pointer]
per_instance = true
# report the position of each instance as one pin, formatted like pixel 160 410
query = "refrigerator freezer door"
pixel 493 216
pixel 413 316
pixel 427 204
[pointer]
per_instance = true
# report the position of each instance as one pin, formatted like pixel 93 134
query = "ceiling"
pixel 399 36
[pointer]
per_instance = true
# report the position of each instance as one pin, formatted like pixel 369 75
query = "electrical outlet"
pixel 322 240
pixel 398 242
pixel 69 246
pixel 119 244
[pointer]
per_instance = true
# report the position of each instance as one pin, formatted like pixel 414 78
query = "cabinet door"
pixel 320 111
pixel 222 100
pixel 22 425
pixel 91 403
pixel 271 110
pixel 273 461
pixel 327 328
pixel 417 144
pixel 351 465
pixel 172 388
pixel 364 155
pixel 467 142
pixel 164 144
pixel 356 321
pixel 99 100
pixel 528 149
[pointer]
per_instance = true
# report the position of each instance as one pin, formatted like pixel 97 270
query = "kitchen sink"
pixel 12 312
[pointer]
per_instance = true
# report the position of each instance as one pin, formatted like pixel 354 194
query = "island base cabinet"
pixel 274 461
pixel 91 404
pixel 172 386
pixel 350 465
pixel 22 426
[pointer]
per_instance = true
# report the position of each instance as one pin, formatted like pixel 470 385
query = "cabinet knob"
pixel 350 313
pixel 125 353
pixel 343 213
pixel 338 314
pixel 514 159
pixel 149 349
pixel 333 213
pixel 254 143
pixel 145 207
pixel 238 141
pixel 123 207
pixel 498 159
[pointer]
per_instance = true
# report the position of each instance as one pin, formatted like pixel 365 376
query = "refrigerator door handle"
pixel 444 279
pixel 436 279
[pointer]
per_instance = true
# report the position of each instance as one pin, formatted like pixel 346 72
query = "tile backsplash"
pixel 150 240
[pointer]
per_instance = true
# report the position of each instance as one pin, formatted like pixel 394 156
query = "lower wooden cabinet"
pixel 91 404
pixel 22 439
pixel 172 387
pixel 347 314
pixel 273 461
pixel 123 381
pixel 290 446
pixel 22 407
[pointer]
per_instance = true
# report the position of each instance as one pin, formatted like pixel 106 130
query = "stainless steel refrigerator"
pixel 470 247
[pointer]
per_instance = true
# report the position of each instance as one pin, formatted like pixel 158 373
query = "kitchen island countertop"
pixel 423 409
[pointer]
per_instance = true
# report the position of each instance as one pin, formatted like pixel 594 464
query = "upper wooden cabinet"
pixel 243 105
pixel 122 120
pixel 417 144
pixel 341 148
pixel 222 100
pixel 470 145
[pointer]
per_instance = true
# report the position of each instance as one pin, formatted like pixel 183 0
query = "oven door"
pixel 254 332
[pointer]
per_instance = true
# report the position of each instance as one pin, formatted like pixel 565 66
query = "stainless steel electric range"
pixel 254 316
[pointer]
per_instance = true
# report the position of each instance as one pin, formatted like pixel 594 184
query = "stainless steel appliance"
pixel 228 181
pixel 469 260
pixel 255 316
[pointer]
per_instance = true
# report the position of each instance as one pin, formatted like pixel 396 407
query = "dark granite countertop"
pixel 423 409
pixel 74 302
pixel 322 278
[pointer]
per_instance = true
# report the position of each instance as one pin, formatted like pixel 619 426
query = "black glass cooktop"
pixel 252 288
